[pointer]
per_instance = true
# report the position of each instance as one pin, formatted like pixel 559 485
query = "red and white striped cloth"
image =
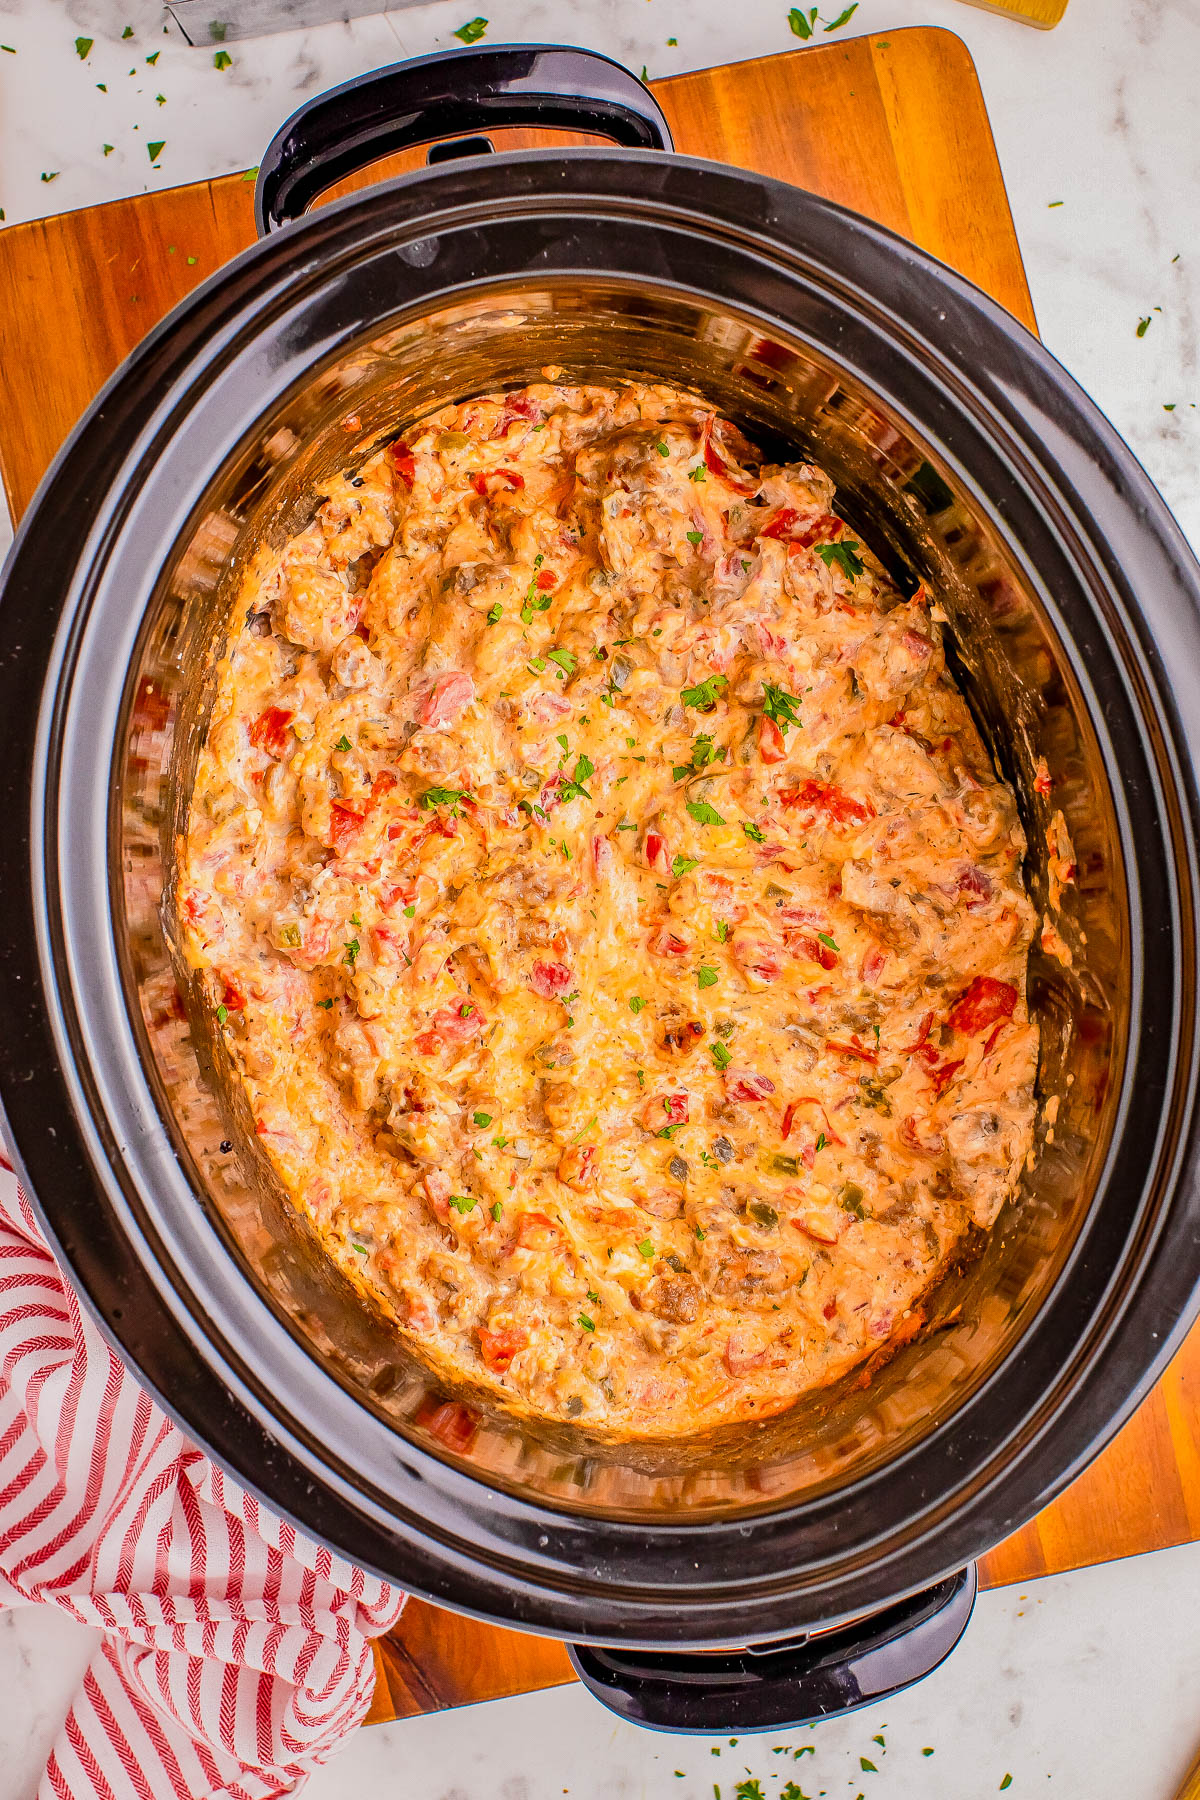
pixel 236 1654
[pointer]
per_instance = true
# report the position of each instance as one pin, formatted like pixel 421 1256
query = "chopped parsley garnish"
pixel 706 976
pixel 352 952
pixel 722 932
pixel 698 473
pixel 646 1249
pixel 844 556
pixel 695 537
pixel 326 1004
pixel 720 1055
pixel 482 1119
pixel 495 614
pixel 636 1003
pixel 566 662
pixel 705 694
pixel 683 865
pixel 343 743
pixel 472 31
pixel 594 1298
pixel 496 1211
pixel 824 938
pixel 780 706
pixel 821 1140
pixel 663 449
pixel 588 1324
pixel 536 599
pixel 222 1014
pixel 752 831
pixel 361 1248
pixel 410 912
pixel 463 1203
pixel 441 796
pixel 574 788
pixel 703 813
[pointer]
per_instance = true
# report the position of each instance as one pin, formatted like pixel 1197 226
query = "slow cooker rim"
pixel 351 205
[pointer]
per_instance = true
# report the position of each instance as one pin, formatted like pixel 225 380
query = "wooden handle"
pixel 1190 1789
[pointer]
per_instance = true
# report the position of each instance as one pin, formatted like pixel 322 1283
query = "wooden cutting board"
pixel 893 126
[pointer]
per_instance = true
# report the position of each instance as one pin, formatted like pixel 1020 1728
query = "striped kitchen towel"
pixel 236 1652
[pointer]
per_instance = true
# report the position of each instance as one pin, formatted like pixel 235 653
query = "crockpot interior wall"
pixel 908 501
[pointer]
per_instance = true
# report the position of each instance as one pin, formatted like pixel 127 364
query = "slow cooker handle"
pixel 448 94
pixel 781 1685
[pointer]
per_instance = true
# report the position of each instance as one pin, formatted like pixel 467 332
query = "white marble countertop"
pixel 1088 1685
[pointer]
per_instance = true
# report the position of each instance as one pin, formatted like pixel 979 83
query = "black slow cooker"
pixel 836 1539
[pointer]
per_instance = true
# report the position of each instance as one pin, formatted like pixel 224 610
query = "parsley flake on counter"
pixel 841 18
pixel 83 46
pixel 107 149
pixel 868 1767
pixel 222 60
pixel 463 1203
pixel 720 1055
pixel 748 1790
pixel 128 32
pixel 791 1791
pixel 842 555
pixel 706 976
pixel 154 151
pixel 153 59
pixel 1143 326
pixel 1006 1783
pixel 705 694
pixel 802 23
pixel 703 813
pixel 472 31
pixel 53 175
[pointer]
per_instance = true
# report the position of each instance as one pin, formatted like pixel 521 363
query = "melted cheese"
pixel 612 911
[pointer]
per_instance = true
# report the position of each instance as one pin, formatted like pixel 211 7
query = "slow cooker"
pixel 780 1570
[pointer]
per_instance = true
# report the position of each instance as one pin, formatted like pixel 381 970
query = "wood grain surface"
pixel 1045 14
pixel 893 126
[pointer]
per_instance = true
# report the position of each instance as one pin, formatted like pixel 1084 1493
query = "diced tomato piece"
pixel 546 579
pixel 344 823
pixel 972 880
pixel 745 1085
pixel 520 406
pixel 537 1232
pixel 269 730
pixel 667 943
pixel 931 1146
pixel 449 1025
pixel 739 1358
pixel 771 746
pixel 838 806
pixel 232 997
pixel 664 1110
pixel 450 1422
pixel 402 457
pixel 816 951
pixel 717 465
pixel 824 1223
pixel 872 964
pixel 917 645
pixel 575 1166
pixel 550 980
pixel 986 1002
pixel 498 1348
pixel 791 527
pixel 655 846
pixel 855 1048
pixel 513 478
pixel 602 855
pixel 446 699
pixel 829 1308
pixel 1041 777
pixel 438 1187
